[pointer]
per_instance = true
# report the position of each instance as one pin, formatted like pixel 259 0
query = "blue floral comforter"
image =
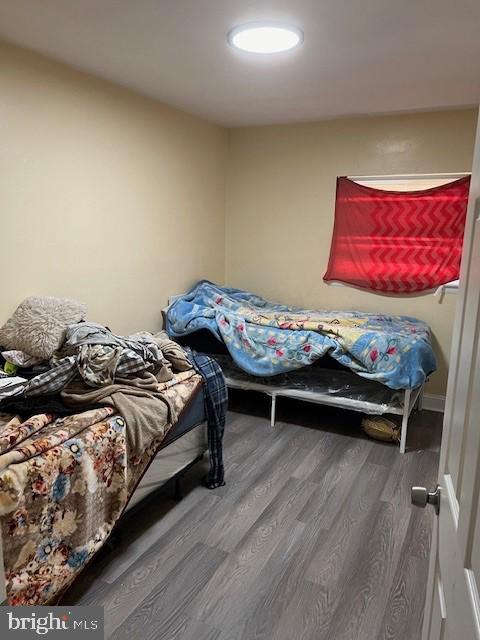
pixel 265 338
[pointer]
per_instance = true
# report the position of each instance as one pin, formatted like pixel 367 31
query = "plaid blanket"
pixel 216 403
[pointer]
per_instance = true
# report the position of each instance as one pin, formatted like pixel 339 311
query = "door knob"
pixel 421 497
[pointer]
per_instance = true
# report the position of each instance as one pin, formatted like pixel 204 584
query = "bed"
pixel 380 362
pixel 65 482
pixel 90 423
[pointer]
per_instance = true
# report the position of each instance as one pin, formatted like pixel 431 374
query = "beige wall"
pixel 280 205
pixel 119 201
pixel 105 196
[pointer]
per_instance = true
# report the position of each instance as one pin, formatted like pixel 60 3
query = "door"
pixel 452 609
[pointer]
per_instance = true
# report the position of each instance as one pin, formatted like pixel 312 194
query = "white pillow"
pixel 38 325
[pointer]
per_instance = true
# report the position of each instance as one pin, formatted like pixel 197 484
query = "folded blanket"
pixel 147 411
pixel 172 351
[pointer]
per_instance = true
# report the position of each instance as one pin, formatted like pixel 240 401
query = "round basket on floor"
pixel 381 428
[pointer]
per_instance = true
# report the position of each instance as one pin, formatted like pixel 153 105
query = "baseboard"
pixel 433 402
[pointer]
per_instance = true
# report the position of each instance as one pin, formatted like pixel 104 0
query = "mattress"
pixel 192 415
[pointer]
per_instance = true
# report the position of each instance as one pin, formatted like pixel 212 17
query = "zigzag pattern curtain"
pixel 398 242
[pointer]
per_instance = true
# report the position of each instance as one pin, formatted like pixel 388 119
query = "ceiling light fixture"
pixel 265 37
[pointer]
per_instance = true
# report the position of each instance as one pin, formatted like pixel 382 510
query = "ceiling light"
pixel 265 37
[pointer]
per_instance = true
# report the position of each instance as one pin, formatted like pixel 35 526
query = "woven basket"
pixel 381 428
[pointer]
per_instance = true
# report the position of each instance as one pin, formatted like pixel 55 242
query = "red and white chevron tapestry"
pixel 399 242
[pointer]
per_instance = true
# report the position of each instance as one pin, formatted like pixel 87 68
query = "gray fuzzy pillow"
pixel 38 325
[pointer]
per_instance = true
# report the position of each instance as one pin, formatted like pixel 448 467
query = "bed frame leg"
pixel 272 410
pixel 177 491
pixel 405 416
pixel 420 399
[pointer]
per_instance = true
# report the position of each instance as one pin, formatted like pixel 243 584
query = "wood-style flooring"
pixel 313 537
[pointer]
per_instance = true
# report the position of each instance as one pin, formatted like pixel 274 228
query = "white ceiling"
pixel 359 56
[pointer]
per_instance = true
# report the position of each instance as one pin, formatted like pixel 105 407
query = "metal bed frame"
pixel 411 398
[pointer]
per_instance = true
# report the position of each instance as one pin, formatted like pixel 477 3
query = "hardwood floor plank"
pixel 164 608
pixel 403 613
pixel 335 484
pixel 303 436
pixel 340 544
pixel 312 538
pixel 331 564
pixel 253 464
pixel 346 451
pixel 277 583
pixel 383 453
pixel 132 586
pixel 359 612
pixel 319 457
pixel 238 575
pixel 303 616
pixel 150 526
pixel 247 439
pixel 151 529
pixel 239 518
pixel 198 631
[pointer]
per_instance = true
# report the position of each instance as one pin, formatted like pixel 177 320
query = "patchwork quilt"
pixel 64 483
pixel 266 338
